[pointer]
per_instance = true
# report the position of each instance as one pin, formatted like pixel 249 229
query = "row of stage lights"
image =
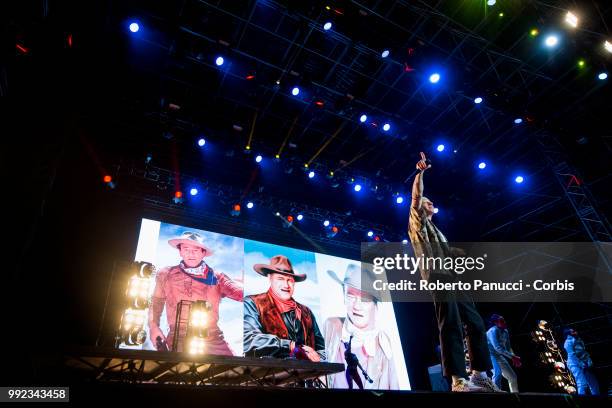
pixel 551 41
pixel 330 229
pixel 433 77
pixel 131 328
pixel 551 357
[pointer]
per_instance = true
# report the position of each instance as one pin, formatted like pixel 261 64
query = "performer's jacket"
pixel 268 332
pixel 577 356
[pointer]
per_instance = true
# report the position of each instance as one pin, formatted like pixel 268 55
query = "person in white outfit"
pixel 502 354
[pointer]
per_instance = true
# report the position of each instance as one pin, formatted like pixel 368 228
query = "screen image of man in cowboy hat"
pixel 370 344
pixel 275 324
pixel 191 280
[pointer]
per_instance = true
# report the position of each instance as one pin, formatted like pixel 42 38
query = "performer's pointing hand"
pixel 422 164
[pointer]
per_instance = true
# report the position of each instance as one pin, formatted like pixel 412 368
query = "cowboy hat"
pixel 355 278
pixel 279 264
pixel 190 238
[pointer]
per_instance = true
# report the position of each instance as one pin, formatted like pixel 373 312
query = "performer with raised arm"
pixel 453 309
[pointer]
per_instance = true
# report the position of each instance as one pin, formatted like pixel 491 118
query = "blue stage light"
pixel 258 159
pixel 440 148
pixel 482 165
pixel 311 174
pixel 478 100
pixel 193 191
pixel 551 41
pixel 434 78
pixel 327 26
pixel 134 27
pixel 201 142
pixel 363 118
pixel 295 91
pixel 386 127
pixel 519 179
pixel 219 61
pixel 250 205
pixel 300 217
pixel 357 187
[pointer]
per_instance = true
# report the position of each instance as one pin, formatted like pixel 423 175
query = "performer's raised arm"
pixel 417 186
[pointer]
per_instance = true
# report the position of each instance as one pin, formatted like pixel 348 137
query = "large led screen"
pixel 264 300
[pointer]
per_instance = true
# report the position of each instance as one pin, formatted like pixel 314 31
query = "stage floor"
pixel 217 396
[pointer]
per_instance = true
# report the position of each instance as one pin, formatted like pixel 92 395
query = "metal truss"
pixel 469 49
pixel 136 366
pixel 162 181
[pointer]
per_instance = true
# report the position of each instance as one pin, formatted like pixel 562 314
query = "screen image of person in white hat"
pixel 371 345
pixel 275 325
pixel 191 280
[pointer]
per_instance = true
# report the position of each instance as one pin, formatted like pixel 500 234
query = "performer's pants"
pixel 353 374
pixel 453 310
pixel 215 343
pixel 501 367
pixel 585 379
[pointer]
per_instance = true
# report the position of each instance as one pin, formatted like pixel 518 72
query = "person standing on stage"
pixel 453 309
pixel 579 363
pixel 191 280
pixel 501 351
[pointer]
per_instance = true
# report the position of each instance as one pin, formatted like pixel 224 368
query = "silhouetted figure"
pixel 352 363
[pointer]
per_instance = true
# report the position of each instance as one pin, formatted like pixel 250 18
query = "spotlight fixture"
pixel 551 41
pixel 571 19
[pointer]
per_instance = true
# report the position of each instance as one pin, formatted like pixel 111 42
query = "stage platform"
pixel 157 395
pixel 137 366
pixel 110 376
